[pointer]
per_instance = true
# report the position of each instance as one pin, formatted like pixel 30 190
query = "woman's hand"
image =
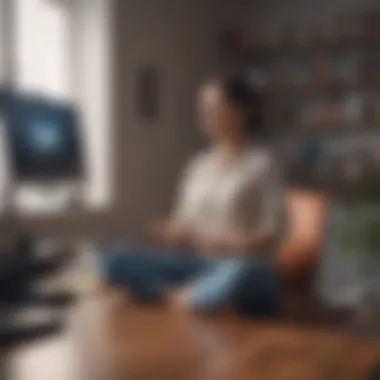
pixel 169 233
pixel 236 241
pixel 208 243
pixel 247 242
pixel 229 242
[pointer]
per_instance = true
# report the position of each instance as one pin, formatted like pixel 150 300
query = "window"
pixel 42 47
pixel 62 49
pixel 94 88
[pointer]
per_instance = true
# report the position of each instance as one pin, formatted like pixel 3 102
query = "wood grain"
pixel 151 343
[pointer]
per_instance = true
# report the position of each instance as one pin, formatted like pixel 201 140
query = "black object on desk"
pixel 19 270
pixel 14 331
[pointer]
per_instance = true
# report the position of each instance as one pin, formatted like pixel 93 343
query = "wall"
pixel 177 37
pixel 303 12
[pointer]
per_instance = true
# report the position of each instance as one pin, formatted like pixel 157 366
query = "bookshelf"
pixel 321 90
pixel 319 84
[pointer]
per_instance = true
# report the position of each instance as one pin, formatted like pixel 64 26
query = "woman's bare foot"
pixel 180 299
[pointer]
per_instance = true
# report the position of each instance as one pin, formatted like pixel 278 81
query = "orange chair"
pixel 298 254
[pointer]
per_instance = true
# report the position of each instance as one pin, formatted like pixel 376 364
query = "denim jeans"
pixel 149 273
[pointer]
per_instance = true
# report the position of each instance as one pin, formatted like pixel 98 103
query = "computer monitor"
pixel 44 137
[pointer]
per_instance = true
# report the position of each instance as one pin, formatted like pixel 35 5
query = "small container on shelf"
pixel 231 42
pixel 330 32
pixel 369 116
pixel 318 35
pixel 369 109
pixel 357 33
pixel 346 67
pixel 336 117
pixel 371 25
pixel 282 112
pixel 351 29
pixel 371 68
pixel 256 38
pixel 280 74
pixel 323 114
pixel 301 75
pixel 272 36
pixel 334 31
pixel 289 36
pixel 323 73
pixel 259 77
pixel 353 108
pixel 302 35
pixel 376 112
pixel 282 117
pixel 310 114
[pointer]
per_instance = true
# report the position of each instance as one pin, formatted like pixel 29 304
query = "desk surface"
pixel 108 339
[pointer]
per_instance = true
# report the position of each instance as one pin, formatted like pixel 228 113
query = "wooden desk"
pixel 152 343
pixel 119 341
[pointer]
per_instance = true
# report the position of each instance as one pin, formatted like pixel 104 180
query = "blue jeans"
pixel 149 273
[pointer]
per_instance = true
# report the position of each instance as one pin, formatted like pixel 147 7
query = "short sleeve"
pixel 271 206
pixel 182 210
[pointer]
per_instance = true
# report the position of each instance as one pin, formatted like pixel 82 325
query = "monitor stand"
pixel 44 198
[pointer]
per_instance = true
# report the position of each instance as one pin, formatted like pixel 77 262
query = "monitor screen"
pixel 44 137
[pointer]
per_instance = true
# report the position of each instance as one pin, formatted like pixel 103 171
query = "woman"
pixel 229 213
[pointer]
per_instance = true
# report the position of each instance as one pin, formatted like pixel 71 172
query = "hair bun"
pixel 241 91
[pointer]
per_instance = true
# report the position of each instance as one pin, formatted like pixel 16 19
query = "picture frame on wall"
pixel 147 92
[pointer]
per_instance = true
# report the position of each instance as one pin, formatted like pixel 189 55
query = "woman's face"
pixel 220 119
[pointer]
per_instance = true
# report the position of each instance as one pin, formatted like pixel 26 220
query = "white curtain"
pixel 92 83
pixel 42 47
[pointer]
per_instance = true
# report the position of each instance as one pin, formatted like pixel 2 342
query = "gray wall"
pixel 177 37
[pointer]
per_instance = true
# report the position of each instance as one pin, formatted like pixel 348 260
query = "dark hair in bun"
pixel 242 93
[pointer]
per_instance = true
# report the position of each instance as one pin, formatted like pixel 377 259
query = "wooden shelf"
pixel 311 47
pixel 325 87
pixel 330 127
pixel 324 70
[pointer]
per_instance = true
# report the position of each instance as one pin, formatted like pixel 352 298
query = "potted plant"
pixel 361 238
